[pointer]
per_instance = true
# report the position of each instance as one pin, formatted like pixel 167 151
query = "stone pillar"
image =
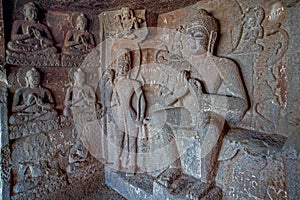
pixel 4 145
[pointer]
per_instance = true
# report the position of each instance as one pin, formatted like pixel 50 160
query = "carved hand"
pixel 195 87
pixel 181 87
pixel 37 34
pixel 30 31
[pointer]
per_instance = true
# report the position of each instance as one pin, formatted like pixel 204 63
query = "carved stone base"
pixel 30 128
pixel 247 159
pixel 142 186
pixel 135 187
pixel 33 59
pixel 72 60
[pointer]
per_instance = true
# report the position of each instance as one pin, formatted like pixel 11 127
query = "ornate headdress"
pixel 205 20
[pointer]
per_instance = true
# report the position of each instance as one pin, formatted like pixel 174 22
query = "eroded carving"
pixel 124 23
pixel 80 97
pixel 128 23
pixel 33 102
pixel 181 102
pixel 271 88
pixel 6 162
pixel 107 84
pixel 252 31
pixel 78 153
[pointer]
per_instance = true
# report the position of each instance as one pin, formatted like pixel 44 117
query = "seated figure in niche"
pixel 217 88
pixel 34 102
pixel 79 40
pixel 79 96
pixel 128 23
pixel 29 35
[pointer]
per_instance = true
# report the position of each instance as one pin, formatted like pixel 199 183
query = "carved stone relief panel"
pixel 50 37
pixel 198 107
pixel 256 36
pixel 122 24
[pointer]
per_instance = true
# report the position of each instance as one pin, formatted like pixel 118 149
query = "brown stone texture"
pixel 149 99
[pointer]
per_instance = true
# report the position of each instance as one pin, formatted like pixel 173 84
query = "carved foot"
pixel 168 176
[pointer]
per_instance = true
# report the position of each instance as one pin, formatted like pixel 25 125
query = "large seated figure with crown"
pixel 215 86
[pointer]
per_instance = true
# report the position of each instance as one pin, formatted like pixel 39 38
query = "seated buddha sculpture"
pixel 33 102
pixel 79 40
pixel 30 35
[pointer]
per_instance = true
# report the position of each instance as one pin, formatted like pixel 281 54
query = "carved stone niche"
pixel 124 23
pixel 59 38
pixel 31 41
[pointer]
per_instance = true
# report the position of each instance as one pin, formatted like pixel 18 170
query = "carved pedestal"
pixel 33 59
pixel 142 186
pixel 246 161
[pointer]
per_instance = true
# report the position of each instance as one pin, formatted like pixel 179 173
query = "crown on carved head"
pixel 205 20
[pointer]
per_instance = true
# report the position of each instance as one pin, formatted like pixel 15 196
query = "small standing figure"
pixel 106 89
pixel 177 45
pixel 79 40
pixel 79 96
pixel 29 35
pixel 34 102
pixel 128 107
pixel 128 23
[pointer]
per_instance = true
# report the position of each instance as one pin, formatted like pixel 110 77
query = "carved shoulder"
pixel 231 77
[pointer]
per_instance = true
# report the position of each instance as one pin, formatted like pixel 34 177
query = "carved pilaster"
pixel 4 145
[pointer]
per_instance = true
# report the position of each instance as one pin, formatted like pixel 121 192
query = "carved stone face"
pixel 123 64
pixel 33 78
pixel 81 24
pixel 126 13
pixel 198 39
pixel 30 13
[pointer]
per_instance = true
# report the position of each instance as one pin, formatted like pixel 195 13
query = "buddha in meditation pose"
pixel 79 40
pixel 33 102
pixel 29 35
